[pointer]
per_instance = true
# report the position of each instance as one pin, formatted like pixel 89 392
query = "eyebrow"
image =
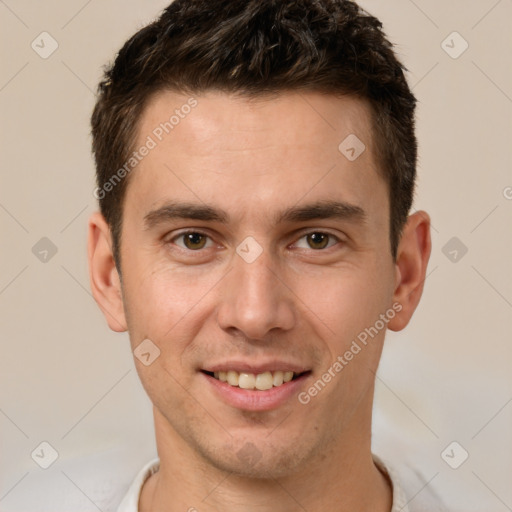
pixel 313 211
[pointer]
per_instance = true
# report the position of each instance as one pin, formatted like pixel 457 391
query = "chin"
pixel 260 460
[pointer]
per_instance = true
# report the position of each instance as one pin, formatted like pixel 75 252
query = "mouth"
pixel 255 381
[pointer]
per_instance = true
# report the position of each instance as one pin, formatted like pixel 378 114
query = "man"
pixel 255 168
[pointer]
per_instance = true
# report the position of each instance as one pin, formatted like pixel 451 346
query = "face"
pixel 253 247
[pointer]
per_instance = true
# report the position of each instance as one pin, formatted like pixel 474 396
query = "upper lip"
pixel 247 367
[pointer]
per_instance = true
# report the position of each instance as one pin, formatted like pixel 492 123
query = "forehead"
pixel 218 148
pixel 310 118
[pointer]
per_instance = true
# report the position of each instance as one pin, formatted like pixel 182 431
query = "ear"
pixel 103 274
pixel 411 266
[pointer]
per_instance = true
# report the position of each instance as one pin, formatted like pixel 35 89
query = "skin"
pixel 295 303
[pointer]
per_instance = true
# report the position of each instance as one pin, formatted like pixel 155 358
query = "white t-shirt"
pixel 417 498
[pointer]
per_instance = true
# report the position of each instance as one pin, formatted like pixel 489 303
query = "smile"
pixel 260 381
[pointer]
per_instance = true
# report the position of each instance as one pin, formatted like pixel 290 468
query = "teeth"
pixel 278 378
pixel 232 378
pixel 246 381
pixel 260 381
pixel 264 381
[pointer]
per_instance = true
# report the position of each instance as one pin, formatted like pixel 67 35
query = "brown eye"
pixel 194 240
pixel 191 240
pixel 318 240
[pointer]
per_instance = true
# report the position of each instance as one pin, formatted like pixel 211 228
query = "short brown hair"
pixel 253 48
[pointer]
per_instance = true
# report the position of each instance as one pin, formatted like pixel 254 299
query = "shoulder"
pixel 411 490
pixel 130 502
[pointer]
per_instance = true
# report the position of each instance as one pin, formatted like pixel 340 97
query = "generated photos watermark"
pixel 151 142
pixel 355 348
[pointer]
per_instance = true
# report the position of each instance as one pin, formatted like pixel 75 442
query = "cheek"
pixel 161 308
pixel 160 300
pixel 345 300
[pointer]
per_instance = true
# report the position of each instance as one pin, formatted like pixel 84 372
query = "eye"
pixel 196 240
pixel 192 240
pixel 318 240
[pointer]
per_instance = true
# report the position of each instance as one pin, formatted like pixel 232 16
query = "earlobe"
pixel 103 274
pixel 411 266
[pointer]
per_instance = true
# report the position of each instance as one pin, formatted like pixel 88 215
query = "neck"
pixel 344 478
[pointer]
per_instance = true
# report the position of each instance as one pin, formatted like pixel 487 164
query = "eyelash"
pixel 198 232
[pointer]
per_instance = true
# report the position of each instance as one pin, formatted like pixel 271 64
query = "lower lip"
pixel 255 400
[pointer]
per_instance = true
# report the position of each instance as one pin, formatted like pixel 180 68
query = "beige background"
pixel 67 380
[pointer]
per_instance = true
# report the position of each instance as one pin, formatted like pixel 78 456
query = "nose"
pixel 255 299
